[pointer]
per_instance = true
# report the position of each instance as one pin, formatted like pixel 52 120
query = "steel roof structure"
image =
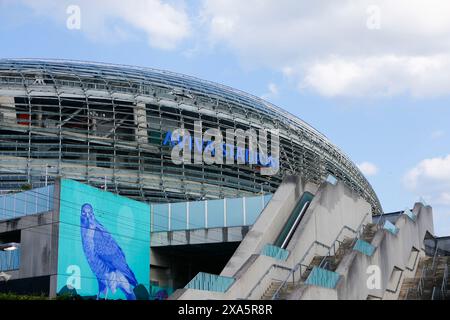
pixel 104 124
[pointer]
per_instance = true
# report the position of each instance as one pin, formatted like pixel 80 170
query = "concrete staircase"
pixel 290 286
pixel 330 263
pixel 432 278
pixel 283 294
pixel 314 263
pixel 369 232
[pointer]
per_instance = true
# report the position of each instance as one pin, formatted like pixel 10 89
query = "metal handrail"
pixel 263 276
pixel 443 287
pixel 323 263
pixel 407 294
pixel 444 283
pixel 300 263
pixel 380 220
pixel 432 294
pixel 434 256
pixel 421 283
pixel 297 266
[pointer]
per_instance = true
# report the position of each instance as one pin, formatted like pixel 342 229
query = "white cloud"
pixel 430 179
pixel 380 76
pixel 444 198
pixel 433 172
pixel 368 168
pixel 272 91
pixel 327 47
pixel 165 25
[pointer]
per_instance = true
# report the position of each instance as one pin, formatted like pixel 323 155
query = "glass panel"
pixel 160 217
pixel 254 208
pixel 196 214
pixel 9 207
pixel 26 203
pixel 21 203
pixel 267 198
pixel 235 212
pixel 178 216
pixel 215 213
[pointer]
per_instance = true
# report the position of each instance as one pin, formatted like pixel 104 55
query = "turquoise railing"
pixel 364 247
pixel 10 260
pixel 410 215
pixel 275 252
pixel 390 227
pixel 323 278
pixel 210 282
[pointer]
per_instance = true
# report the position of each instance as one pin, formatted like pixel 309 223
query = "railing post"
pixel 434 257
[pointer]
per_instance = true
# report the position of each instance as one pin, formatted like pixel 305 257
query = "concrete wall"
pixel 391 251
pixel 332 207
pixel 270 222
pixel 38 243
pixel 317 293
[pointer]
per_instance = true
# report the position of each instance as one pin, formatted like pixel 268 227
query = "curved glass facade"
pixel 106 124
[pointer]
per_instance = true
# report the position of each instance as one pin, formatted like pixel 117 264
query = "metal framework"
pixel 104 125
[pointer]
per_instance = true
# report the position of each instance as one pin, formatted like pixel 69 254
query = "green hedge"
pixel 13 296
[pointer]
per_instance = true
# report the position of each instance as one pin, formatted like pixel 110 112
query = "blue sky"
pixel 373 76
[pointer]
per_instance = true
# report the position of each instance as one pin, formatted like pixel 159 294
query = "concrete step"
pixel 314 263
pixel 433 278
pixel 369 232
pixel 283 293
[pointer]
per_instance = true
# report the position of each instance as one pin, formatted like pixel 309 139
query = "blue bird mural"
pixel 105 257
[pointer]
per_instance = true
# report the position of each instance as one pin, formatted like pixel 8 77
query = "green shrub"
pixel 14 296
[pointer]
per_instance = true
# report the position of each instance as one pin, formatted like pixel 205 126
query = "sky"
pixel 372 76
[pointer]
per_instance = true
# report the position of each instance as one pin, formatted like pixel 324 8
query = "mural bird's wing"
pixel 107 249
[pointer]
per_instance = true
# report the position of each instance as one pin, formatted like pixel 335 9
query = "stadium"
pixel 106 125
pixel 93 205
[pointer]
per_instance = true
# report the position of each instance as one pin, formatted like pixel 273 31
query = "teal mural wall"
pixel 104 244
